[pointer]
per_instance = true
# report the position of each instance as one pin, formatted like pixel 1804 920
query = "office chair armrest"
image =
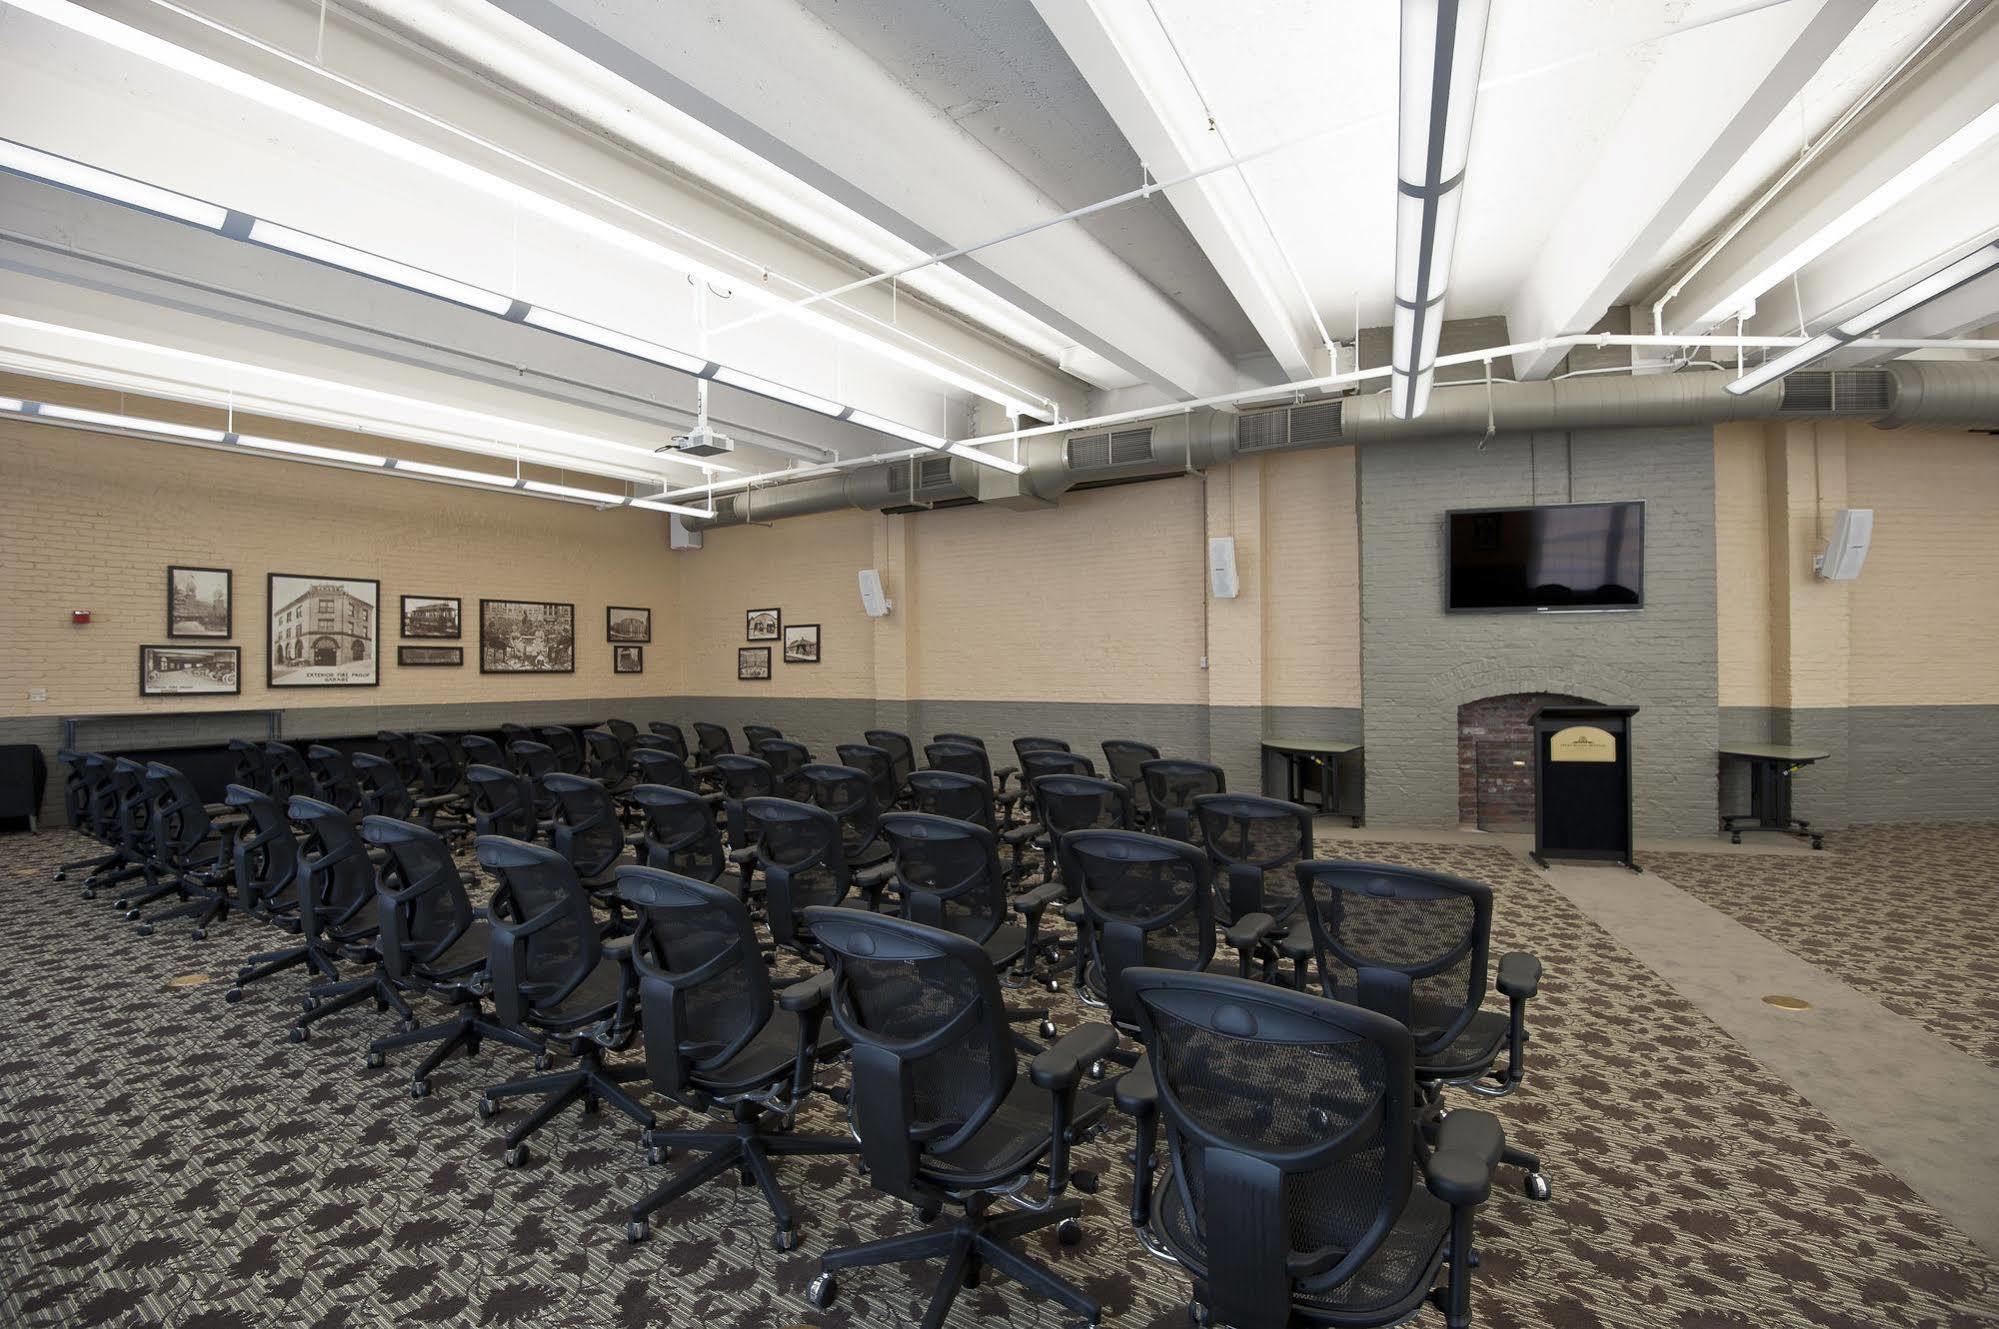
pixel 1075 912
pixel 1249 930
pixel 1138 1096
pixel 1061 1067
pixel 807 993
pixel 1032 904
pixel 1519 975
pixel 1460 1167
pixel 747 854
pixel 1021 834
pixel 1000 776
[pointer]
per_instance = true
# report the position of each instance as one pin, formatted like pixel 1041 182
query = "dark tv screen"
pixel 1565 556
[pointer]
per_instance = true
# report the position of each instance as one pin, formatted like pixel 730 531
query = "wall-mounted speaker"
pixel 1222 582
pixel 677 534
pixel 1846 550
pixel 873 603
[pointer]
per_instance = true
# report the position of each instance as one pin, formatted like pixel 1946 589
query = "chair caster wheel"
pixel 1069 1232
pixel 298 1034
pixel 784 1239
pixel 1047 1029
pixel 517 1156
pixel 1084 1180
pixel 1536 1186
pixel 488 1107
pixel 308 1003
pixel 90 895
pixel 592 1103
pixel 1052 984
pixel 144 930
pixel 637 1231
pixel 419 1088
pixel 375 1061
pixel 1197 1314
pixel 233 995
pixel 540 1061
pixel 821 1291
pixel 131 914
pixel 1096 1070
pixel 926 1214
pixel 406 1026
pixel 657 1154
pixel 199 934
pixel 60 875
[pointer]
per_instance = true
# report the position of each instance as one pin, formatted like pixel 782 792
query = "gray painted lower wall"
pixel 1888 763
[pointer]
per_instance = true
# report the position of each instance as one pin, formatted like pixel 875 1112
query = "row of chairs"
pixel 1233 1068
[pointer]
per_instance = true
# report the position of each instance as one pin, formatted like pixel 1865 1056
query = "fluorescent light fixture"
pixel 680 509
pixel 570 491
pixel 1959 145
pixel 1443 45
pixel 290 449
pixel 111 421
pixel 374 265
pixel 613 340
pixel 453 473
pixel 901 431
pixel 1941 282
pixel 11 404
pixel 106 184
pixel 970 453
pixel 736 378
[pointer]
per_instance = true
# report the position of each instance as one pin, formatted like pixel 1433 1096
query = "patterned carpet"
pixel 1908 914
pixel 167 1159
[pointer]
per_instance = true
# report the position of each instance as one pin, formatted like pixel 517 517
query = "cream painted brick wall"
pixel 91 521
pixel 1742 571
pixel 1311 601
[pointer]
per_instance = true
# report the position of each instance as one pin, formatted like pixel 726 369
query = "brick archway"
pixel 1496 758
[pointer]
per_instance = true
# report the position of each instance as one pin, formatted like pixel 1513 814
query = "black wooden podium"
pixel 1582 783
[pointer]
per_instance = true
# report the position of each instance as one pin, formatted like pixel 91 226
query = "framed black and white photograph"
pixel 761 625
pixel 436 616
pixel 324 632
pixel 199 603
pixel 190 671
pixel 801 643
pixel 526 637
pixel 622 623
pixel 430 655
pixel 628 659
pixel 752 664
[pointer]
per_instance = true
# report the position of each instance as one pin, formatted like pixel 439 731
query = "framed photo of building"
pixel 628 659
pixel 199 603
pixel 761 624
pixel 801 643
pixel 434 616
pixel 625 624
pixel 430 655
pixel 752 664
pixel 526 637
pixel 324 632
pixel 190 671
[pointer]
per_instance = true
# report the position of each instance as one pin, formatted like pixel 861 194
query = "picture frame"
pixel 432 617
pixel 627 624
pixel 801 643
pixel 201 603
pixel 322 632
pixel 753 664
pixel 762 624
pixel 430 657
pixel 190 671
pixel 628 659
pixel 527 637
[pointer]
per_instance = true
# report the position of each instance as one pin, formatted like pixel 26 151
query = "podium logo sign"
pixel 1582 742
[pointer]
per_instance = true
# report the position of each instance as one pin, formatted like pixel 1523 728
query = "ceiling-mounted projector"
pixel 700 441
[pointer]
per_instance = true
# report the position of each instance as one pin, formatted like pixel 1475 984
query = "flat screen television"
pixel 1565 556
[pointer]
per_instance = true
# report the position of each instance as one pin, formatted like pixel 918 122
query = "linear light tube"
pixel 570 491
pixel 21 158
pixel 374 265
pixel 970 453
pixel 454 473
pixel 902 431
pixel 614 340
pixel 737 378
pixel 291 449
pixel 110 420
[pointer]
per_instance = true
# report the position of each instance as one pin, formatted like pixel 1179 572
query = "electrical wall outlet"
pixel 38 694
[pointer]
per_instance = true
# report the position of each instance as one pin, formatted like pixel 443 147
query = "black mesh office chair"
pixel 999 774
pixel 948 875
pixel 967 759
pixel 433 944
pixel 711 741
pixel 333 777
pixel 1023 746
pixel 943 1114
pixel 440 768
pixel 786 759
pixel 337 918
pixel 136 806
pixel 718 1042
pixel 537 762
pixel 1066 803
pixel 588 833
pixel 567 749
pixel 1124 759
pixel 1257 844
pixel 1171 786
pixel 801 852
pixel 1415 945
pixel 503 803
pixel 554 982
pixel 383 794
pixel 878 766
pixel 482 751
pixel 289 775
pixel 680 833
pixel 662 766
pixel 901 752
pixel 669 733
pixel 951 794
pixel 1145 900
pixel 400 748
pixel 849 795
pixel 627 732
pixel 607 759
pixel 87 778
pixel 756 735
pixel 193 849
pixel 511 734
pixel 1297 1188
pixel 250 765
pixel 267 863
pixel 742 779
pixel 1035 763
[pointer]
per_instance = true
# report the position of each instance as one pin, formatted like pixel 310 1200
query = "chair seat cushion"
pixel 1392 1281
pixel 1013 1138
pixel 462 962
pixel 1470 1053
pixel 768 1058
pixel 594 999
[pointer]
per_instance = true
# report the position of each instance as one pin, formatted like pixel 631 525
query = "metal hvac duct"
pixel 1936 393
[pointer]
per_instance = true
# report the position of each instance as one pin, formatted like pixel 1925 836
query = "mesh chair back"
pixel 1081 803
pixel 680 834
pixel 1125 759
pixel 661 766
pixel 289 774
pixel 568 749
pixel 932 1058
pixel 800 849
pixel 516 733
pixel 251 764
pixel 878 766
pixel 103 797
pixel 1171 786
pixel 951 794
pixel 181 821
pixel 1257 844
pixel 422 907
pixel 787 759
pixel 962 758
pixel 440 767
pixel 537 762
pixel 900 751
pixel 1146 902
pixel 483 751
pixel 502 802
pixel 586 830
pixel 383 793
pixel 75 789
pixel 849 795
pixel 333 776
pixel 950 873
pixel 626 731
pixel 1023 746
pixel 743 778
pixel 135 808
pixel 669 734
pixel 963 740
pixel 336 884
pixel 266 854
pixel 607 758
pixel 756 735
pixel 1037 762
pixel 1405 942
pixel 704 993
pixel 537 886
pixel 399 748
pixel 1289 1126
pixel 711 741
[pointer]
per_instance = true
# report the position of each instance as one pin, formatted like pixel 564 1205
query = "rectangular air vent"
pixel 1288 427
pixel 1315 424
pixel 725 508
pixel 1819 391
pixel 1259 431
pixel 933 473
pixel 1089 452
pixel 1133 445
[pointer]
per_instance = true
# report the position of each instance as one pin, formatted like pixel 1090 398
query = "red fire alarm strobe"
pixel 79 615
